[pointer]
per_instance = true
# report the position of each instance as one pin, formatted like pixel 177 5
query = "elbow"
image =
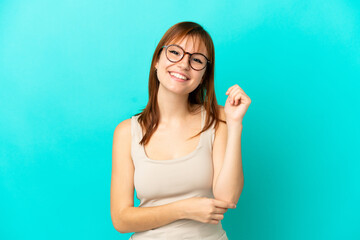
pixel 119 227
pixel 238 195
pixel 227 196
pixel 118 223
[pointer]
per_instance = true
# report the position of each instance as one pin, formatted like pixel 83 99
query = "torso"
pixel 172 142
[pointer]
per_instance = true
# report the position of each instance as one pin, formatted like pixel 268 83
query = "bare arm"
pixel 126 217
pixel 138 219
pixel 228 181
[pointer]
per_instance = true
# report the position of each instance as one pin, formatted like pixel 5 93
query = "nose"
pixel 185 62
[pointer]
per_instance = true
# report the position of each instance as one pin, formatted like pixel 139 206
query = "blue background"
pixel 70 71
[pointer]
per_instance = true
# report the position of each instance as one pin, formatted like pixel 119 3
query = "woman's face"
pixel 165 67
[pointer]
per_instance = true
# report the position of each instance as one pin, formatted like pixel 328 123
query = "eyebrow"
pixel 186 51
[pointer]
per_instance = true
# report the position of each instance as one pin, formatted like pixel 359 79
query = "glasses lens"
pixel 175 53
pixel 198 61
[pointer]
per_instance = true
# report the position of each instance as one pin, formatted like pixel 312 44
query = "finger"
pixel 242 98
pixel 233 94
pixel 217 216
pixel 229 90
pixel 231 101
pixel 214 222
pixel 220 210
pixel 239 97
pixel 239 100
pixel 241 90
pixel 223 204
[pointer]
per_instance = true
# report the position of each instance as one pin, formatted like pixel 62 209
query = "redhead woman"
pixel 182 152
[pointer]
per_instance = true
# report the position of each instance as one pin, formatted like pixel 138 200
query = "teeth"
pixel 178 75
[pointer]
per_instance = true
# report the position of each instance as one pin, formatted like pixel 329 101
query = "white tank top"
pixel 159 182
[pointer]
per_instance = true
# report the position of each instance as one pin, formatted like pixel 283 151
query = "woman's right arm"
pixel 125 217
pixel 138 219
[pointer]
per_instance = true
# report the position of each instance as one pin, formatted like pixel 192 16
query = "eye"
pixel 174 52
pixel 197 60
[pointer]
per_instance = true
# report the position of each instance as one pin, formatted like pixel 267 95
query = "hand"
pixel 236 105
pixel 205 210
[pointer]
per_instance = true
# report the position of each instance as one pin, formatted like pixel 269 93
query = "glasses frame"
pixel 166 47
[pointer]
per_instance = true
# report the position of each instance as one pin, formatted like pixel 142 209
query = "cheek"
pixel 201 75
pixel 165 65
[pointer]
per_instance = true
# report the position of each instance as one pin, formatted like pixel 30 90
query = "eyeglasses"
pixel 175 53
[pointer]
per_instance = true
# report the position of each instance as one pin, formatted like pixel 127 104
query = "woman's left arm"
pixel 228 172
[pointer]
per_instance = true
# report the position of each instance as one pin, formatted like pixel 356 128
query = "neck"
pixel 172 106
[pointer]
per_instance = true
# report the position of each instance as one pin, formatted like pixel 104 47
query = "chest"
pixel 170 143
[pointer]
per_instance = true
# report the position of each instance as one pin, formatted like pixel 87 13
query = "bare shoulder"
pixel 123 129
pixel 121 145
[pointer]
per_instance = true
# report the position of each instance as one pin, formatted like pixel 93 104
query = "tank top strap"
pixel 209 134
pixel 136 136
pixel 203 116
pixel 135 128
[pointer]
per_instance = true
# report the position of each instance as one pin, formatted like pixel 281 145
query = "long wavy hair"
pixel 204 94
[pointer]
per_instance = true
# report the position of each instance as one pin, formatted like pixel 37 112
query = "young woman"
pixel 182 153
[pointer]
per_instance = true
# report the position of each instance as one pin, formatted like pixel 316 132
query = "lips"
pixel 187 78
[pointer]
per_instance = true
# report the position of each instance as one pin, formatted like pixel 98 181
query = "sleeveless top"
pixel 159 182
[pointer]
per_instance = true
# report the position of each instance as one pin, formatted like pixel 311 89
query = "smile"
pixel 178 77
